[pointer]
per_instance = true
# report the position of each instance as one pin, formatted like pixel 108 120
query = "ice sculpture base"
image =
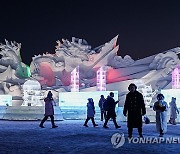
pixel 26 113
pixel 79 113
pixel 149 112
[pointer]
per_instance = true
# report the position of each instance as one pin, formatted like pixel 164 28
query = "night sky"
pixel 144 27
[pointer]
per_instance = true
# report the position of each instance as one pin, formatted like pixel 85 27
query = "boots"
pixel 105 126
pixel 85 123
pixel 54 126
pixel 118 127
pixel 115 123
pixel 130 130
pixel 94 124
pixel 105 123
pixel 41 125
pixel 42 122
pixel 52 122
pixel 161 133
pixel 92 119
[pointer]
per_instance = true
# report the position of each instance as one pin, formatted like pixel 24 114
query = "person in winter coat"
pixel 111 105
pixel 135 107
pixel 101 105
pixel 49 110
pixel 161 109
pixel 90 112
pixel 173 111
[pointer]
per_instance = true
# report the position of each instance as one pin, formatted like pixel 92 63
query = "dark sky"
pixel 144 27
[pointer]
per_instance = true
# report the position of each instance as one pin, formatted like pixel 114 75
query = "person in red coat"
pixel 49 110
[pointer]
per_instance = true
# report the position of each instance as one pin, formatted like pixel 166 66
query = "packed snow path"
pixel 72 137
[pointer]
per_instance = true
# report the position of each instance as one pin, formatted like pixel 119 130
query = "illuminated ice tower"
pixel 176 78
pixel 101 79
pixel 75 80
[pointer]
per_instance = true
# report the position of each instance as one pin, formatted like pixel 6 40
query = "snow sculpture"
pixel 11 56
pixel 53 71
pixel 68 55
pixel 146 90
pixel 32 93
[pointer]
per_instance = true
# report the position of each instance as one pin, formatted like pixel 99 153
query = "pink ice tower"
pixel 101 79
pixel 75 80
pixel 176 78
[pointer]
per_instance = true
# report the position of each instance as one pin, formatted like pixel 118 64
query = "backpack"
pixel 105 105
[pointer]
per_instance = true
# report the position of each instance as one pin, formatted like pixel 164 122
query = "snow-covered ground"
pixel 71 137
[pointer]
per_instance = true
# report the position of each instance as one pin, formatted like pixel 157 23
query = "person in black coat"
pixel 111 110
pixel 134 105
pixel 101 106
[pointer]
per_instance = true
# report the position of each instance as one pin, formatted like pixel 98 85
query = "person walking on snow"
pixel 111 105
pixel 90 112
pixel 101 104
pixel 49 110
